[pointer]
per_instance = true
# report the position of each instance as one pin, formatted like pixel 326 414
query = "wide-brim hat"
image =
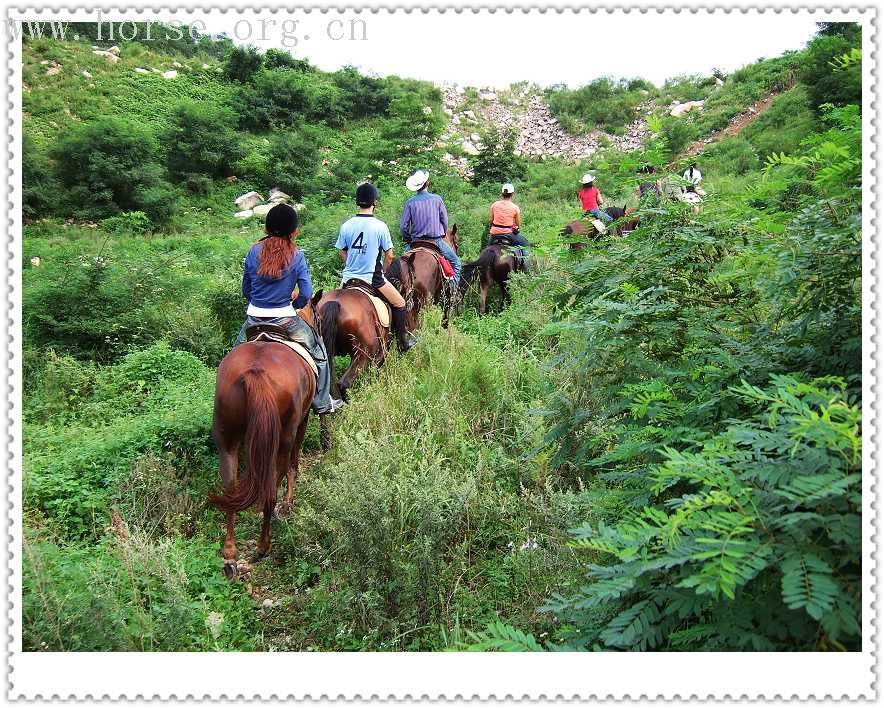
pixel 508 188
pixel 587 178
pixel 417 180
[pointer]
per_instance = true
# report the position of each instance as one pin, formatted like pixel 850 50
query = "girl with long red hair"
pixel 273 271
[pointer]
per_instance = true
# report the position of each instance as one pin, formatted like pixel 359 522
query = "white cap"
pixel 587 178
pixel 417 180
pixel 508 189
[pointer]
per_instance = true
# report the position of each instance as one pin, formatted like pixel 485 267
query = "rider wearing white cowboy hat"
pixel 506 219
pixel 591 198
pixel 425 218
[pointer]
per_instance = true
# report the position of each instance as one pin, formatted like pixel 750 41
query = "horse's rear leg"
pixel 505 298
pixel 229 459
pixel 484 285
pixel 358 361
pixel 292 470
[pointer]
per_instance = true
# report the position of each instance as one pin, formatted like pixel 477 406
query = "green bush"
pixel 292 161
pixel 603 104
pixel 113 165
pixel 129 222
pixel 40 192
pixel 825 85
pixel 497 161
pixel 202 139
pixel 242 63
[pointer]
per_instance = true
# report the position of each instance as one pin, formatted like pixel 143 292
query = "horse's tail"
pixel 264 429
pixel 329 313
pixel 567 231
pixel 471 270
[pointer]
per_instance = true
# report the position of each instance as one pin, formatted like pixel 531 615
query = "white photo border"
pixel 445 676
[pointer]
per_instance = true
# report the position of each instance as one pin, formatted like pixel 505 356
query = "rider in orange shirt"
pixel 506 219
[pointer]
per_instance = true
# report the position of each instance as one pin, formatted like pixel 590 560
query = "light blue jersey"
pixel 365 237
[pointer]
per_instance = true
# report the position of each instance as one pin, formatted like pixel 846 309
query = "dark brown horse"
pixel 418 276
pixel 585 228
pixel 350 327
pixel 493 265
pixel 263 392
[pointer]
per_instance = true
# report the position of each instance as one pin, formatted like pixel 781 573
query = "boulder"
pixel 110 57
pixel 36 262
pixel 177 65
pixel 470 149
pixel 139 70
pixel 470 115
pixel 679 109
pixel 206 66
pixel 488 96
pixel 170 74
pixel 114 50
pixel 262 209
pixel 277 196
pixel 87 74
pixel 248 200
pixel 448 111
pixel 53 70
pixel 455 120
pixel 245 214
pixel 475 137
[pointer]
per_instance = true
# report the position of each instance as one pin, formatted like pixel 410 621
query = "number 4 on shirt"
pixel 358 242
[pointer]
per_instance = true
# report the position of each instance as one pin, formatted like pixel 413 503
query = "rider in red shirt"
pixel 591 199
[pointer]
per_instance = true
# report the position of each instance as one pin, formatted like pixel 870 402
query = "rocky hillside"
pixel 524 109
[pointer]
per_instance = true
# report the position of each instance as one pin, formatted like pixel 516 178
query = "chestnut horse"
pixel 493 265
pixel 418 276
pixel 581 227
pixel 263 392
pixel 350 327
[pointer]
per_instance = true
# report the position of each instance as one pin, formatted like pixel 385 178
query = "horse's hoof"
pixel 230 570
pixel 282 510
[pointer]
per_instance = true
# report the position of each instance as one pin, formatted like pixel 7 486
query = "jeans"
pixel 300 332
pixel 447 251
pixel 518 242
pixel 601 214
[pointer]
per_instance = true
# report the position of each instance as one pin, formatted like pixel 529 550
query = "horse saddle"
pixel 381 307
pixel 434 250
pixel 272 333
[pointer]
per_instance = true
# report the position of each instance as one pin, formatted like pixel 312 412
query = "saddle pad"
pixel 380 305
pixel 298 349
pixel 444 263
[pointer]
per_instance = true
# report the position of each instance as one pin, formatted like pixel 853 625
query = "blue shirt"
pixel 365 238
pixel 424 215
pixel 276 292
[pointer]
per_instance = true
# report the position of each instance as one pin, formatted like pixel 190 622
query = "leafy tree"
pixel 280 59
pixel 825 85
pixel 201 139
pixel 362 96
pixel 497 161
pixel 242 63
pixel 113 165
pixel 39 189
pixel 293 160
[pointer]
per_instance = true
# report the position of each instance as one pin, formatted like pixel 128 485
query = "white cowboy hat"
pixel 417 180
pixel 508 189
pixel 587 178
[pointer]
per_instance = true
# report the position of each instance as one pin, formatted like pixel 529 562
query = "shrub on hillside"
pixel 410 128
pixel 604 104
pixel 39 189
pixel 271 99
pixel 362 96
pixel 497 161
pixel 280 59
pixel 113 165
pixel 824 85
pixel 242 63
pixel 292 161
pixel 202 139
pixel 677 133
pixel 129 222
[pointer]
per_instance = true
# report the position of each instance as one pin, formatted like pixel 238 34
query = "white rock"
pixel 298 207
pixel 114 50
pixel 448 111
pixel 36 262
pixel 139 70
pixel 428 110
pixel 262 209
pixel 470 149
pixel 176 65
pixel 245 214
pixel 206 66
pixel 681 108
pixel 248 200
pixel 112 58
pixel 475 137
pixel 470 115
pixel 718 82
pixel 455 120
pixel 45 62
pixel 277 196
pixel 267 604
pixel 489 96
pixel 87 74
pixel 170 74
pixel 53 70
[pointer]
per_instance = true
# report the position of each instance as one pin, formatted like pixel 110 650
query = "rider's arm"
pixel 388 257
pixel 443 217
pixel 517 218
pixel 343 254
pixel 305 286
pixel 405 221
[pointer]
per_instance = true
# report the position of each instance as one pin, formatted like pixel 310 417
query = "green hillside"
pixel 656 445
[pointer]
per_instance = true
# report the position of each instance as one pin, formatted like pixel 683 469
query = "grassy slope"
pixel 401 536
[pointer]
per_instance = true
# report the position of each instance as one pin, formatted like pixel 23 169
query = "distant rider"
pixel 366 249
pixel 273 270
pixel 425 218
pixel 506 219
pixel 591 199
pixel 649 190
pixel 693 177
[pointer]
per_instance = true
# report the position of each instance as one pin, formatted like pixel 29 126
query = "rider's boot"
pixel 404 340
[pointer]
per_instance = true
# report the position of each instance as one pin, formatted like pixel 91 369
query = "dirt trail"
pixel 736 125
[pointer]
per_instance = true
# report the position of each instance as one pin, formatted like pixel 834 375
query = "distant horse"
pixel 350 327
pixel 263 392
pixel 581 227
pixel 418 276
pixel 494 264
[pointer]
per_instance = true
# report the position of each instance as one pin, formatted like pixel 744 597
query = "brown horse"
pixel 350 327
pixel 582 227
pixel 263 392
pixel 493 265
pixel 418 276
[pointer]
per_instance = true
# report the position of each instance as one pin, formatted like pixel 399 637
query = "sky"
pixel 498 49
